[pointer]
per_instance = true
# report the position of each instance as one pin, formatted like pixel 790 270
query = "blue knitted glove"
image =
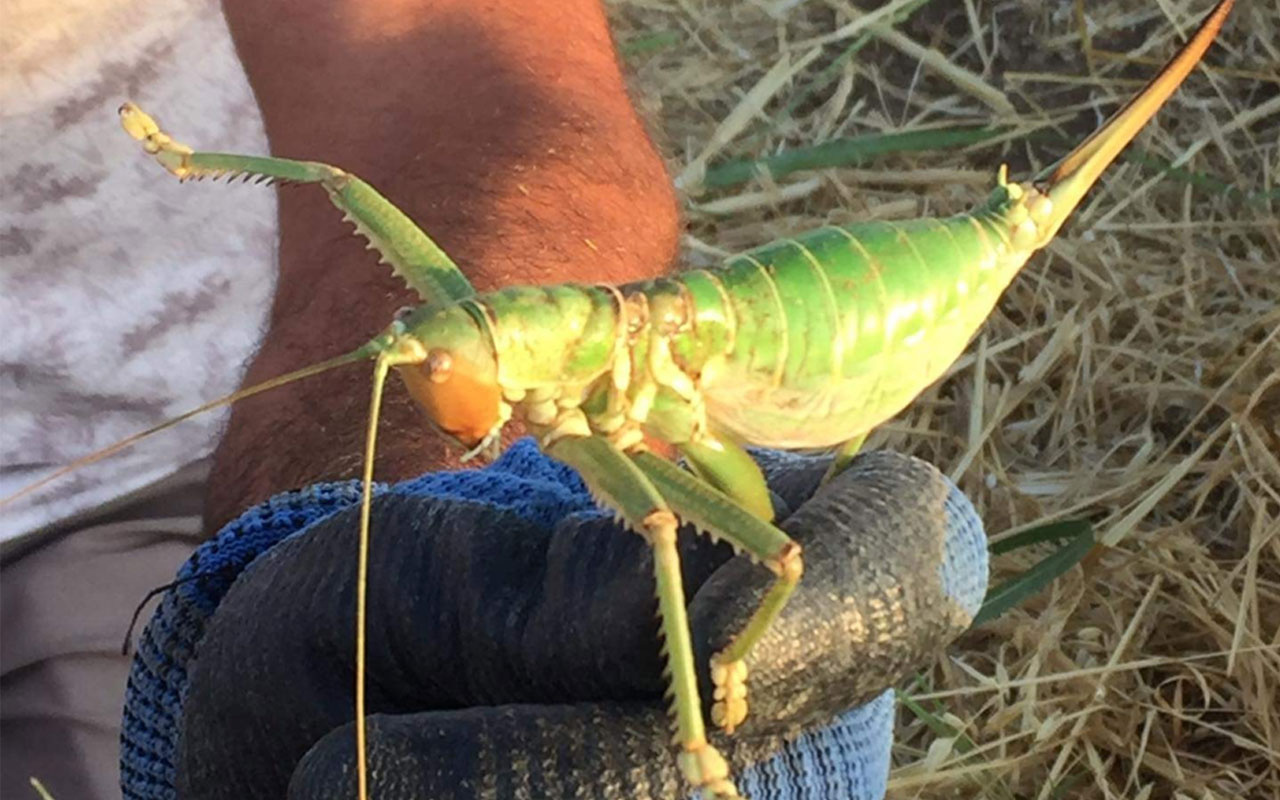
pixel 513 643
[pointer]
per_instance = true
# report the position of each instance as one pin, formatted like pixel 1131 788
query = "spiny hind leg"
pixel 402 244
pixel 730 518
pixel 616 482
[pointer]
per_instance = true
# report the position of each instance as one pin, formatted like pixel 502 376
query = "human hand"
pixel 513 642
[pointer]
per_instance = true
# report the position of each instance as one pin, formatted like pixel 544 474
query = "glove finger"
pixel 895 568
pixel 866 611
pixel 546 751
pixel 603 751
pixel 468 605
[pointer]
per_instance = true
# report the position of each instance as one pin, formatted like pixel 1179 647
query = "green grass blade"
pixel 1066 787
pixel 1013 591
pixel 650 43
pixel 845 152
pixel 934 721
pixel 831 73
pixel 1052 532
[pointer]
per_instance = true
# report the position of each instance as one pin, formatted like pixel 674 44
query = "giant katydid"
pixel 808 342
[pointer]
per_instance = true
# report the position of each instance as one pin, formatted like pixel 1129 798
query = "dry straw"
pixel 1130 376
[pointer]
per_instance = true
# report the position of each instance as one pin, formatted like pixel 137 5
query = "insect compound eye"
pixel 439 365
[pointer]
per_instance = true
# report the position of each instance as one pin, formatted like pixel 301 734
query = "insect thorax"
pixel 615 361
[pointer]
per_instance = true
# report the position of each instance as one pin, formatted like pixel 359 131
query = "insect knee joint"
pixel 660 527
pixel 789 563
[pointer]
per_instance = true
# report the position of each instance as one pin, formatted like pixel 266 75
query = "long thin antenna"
pixel 380 370
pixel 393 351
pixel 364 352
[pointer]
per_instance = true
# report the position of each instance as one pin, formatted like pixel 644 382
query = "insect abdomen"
pixel 844 325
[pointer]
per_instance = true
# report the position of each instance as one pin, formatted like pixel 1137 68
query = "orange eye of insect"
pixel 439 366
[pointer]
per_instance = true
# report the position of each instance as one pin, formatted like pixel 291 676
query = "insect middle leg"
pixel 844 456
pixel 726 517
pixel 620 484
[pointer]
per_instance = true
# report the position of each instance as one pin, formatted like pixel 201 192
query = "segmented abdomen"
pixel 836 330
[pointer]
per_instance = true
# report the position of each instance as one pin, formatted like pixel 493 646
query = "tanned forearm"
pixel 501 126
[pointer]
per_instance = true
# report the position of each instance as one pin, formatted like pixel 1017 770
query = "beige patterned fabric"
pixel 125 297
pixel 64 609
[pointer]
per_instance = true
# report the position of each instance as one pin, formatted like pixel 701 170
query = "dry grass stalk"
pixel 1131 375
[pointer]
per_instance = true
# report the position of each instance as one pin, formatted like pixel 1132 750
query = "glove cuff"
pixel 157 683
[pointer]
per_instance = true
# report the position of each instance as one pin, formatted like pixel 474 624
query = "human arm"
pixel 503 128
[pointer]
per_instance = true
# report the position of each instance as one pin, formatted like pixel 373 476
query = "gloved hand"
pixel 513 640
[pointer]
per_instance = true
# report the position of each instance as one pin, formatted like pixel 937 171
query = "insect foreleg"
pixel 724 518
pixel 402 244
pixel 621 485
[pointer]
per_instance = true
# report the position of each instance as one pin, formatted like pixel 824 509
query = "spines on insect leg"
pixel 668 689
pixel 243 176
pixel 618 479
pixel 186 163
pixel 713 510
pixel 412 254
pixel 701 763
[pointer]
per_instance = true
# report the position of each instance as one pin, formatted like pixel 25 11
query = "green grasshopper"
pixel 807 342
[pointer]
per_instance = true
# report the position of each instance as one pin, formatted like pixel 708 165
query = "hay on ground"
pixel 1130 375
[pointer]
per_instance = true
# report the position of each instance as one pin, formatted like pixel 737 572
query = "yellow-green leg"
pixel 843 456
pixel 740 515
pixel 402 244
pixel 728 518
pixel 615 481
